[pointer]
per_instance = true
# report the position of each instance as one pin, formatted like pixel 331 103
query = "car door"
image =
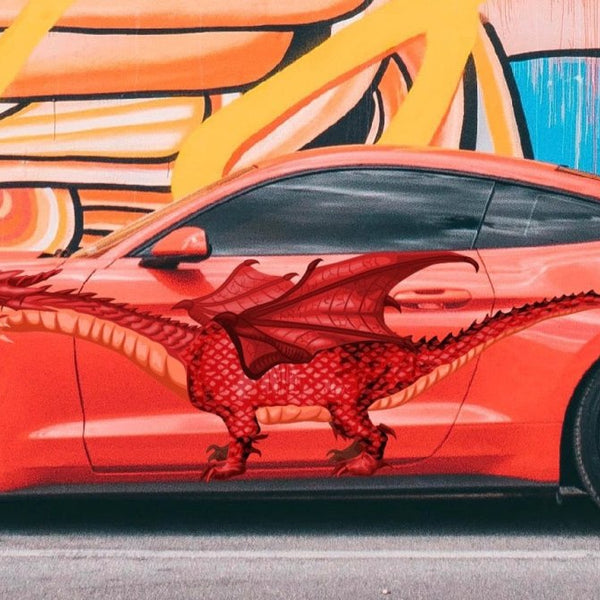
pixel 536 244
pixel 134 422
pixel 39 396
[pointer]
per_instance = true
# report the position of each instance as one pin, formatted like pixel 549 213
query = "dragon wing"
pixel 244 288
pixel 331 305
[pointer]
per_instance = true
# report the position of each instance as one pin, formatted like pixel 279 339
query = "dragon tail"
pixel 151 356
pixel 172 334
pixel 446 356
pixel 500 325
pixel 157 344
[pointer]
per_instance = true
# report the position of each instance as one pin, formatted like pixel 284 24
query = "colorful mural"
pixel 109 112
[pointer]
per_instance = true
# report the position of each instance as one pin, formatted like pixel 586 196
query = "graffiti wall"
pixel 110 110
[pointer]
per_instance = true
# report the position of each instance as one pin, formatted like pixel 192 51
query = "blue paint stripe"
pixel 561 102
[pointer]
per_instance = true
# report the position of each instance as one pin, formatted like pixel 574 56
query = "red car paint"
pixel 79 413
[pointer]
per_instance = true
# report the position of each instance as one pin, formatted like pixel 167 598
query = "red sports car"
pixel 357 319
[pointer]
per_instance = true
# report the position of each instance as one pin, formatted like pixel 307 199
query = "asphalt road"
pixel 159 547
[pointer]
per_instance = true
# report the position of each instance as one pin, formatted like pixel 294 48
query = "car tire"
pixel 586 437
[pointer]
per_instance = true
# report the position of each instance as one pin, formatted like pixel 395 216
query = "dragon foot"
pixel 354 449
pixel 252 449
pixel 234 454
pixel 362 465
pixel 226 471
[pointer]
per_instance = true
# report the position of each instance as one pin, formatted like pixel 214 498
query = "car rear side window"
pixel 348 211
pixel 521 216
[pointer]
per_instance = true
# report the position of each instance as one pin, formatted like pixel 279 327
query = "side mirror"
pixel 186 244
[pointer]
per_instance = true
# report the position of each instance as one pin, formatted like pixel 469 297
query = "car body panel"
pixel 547 360
pixel 80 413
pixel 39 396
pixel 135 423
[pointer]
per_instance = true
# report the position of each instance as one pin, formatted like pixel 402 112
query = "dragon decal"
pixel 267 349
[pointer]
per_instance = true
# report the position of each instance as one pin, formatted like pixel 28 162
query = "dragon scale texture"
pixel 347 380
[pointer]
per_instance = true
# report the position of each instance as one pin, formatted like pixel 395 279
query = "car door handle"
pixel 433 298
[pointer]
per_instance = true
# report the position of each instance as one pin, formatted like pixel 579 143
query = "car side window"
pixel 521 216
pixel 348 211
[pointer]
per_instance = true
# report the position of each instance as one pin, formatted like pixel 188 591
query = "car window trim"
pixel 138 250
pixel 539 188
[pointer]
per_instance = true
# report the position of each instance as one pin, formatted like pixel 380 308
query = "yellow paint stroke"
pixel 213 148
pixel 494 101
pixel 20 39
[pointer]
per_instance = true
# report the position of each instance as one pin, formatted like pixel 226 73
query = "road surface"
pixel 171 547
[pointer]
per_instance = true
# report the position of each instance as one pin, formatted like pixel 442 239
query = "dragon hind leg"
pixel 354 449
pixel 243 431
pixel 369 440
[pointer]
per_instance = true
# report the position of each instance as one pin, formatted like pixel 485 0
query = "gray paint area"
pixel 484 137
pixel 179 547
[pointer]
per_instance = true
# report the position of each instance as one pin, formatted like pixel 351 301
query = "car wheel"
pixel 586 438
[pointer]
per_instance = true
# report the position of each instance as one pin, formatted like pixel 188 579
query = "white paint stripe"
pixel 91 173
pixel 79 553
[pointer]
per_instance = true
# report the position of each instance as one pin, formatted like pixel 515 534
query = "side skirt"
pixel 318 488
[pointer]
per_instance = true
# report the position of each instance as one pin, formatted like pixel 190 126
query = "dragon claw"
pixel 221 472
pixel 217 453
pixel 362 465
pixel 257 438
pixel 353 450
pixel 387 430
pixel 338 471
pixel 206 473
pixel 233 459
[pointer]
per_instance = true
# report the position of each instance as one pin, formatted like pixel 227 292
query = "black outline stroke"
pixel 469 130
pixel 509 77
